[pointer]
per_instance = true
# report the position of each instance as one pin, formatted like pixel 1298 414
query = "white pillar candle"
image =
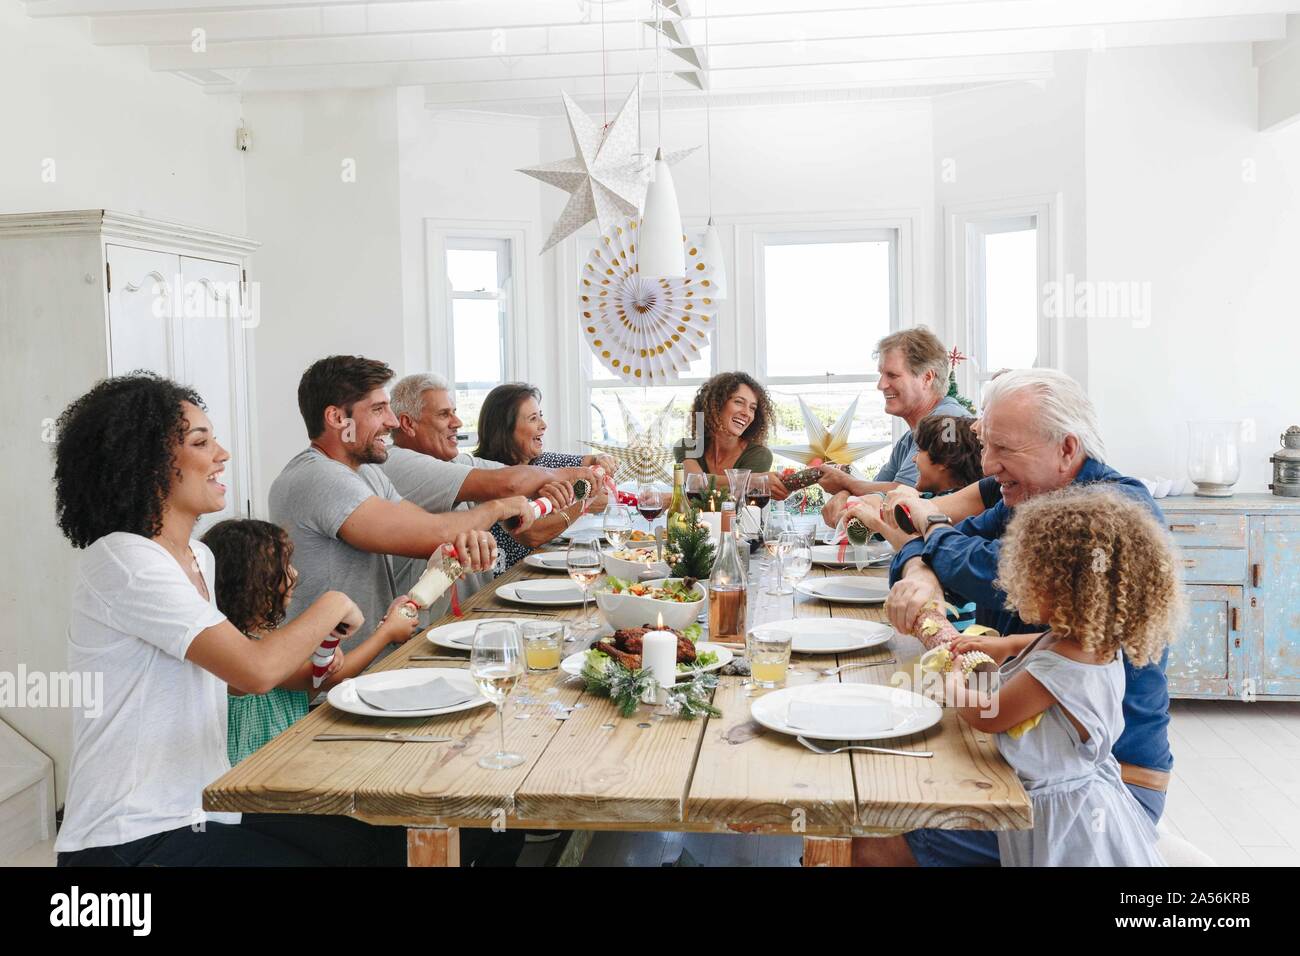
pixel 659 656
pixel 713 521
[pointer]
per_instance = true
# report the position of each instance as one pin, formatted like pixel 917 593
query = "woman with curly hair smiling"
pixel 1095 568
pixel 736 415
pixel 136 465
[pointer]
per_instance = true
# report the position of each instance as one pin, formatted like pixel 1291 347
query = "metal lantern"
pixel 1286 465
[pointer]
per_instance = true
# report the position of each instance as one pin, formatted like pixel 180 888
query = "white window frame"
pixel 513 298
pixel 967 225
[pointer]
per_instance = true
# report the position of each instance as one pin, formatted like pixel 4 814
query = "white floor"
pixel 1235 795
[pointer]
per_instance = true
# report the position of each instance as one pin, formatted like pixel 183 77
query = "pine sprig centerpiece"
pixel 689 553
pixel 626 688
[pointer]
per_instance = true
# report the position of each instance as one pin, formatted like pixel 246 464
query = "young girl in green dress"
pixel 254 582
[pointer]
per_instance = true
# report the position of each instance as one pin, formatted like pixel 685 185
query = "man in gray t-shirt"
pixel 350 527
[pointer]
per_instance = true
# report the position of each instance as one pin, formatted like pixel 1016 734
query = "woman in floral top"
pixel 510 430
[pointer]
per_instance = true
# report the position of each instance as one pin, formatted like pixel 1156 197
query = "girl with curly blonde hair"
pixel 1095 568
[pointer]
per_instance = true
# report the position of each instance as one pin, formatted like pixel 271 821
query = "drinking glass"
pixel 796 562
pixel 769 656
pixel 650 501
pixel 496 663
pixel 617 526
pixel 697 486
pixel 583 562
pixel 737 484
pixel 784 542
pixel 758 494
pixel 543 642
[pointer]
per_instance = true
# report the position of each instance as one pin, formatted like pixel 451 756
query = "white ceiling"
pixel 515 55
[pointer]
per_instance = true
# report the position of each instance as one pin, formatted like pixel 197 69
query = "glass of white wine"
pixel 617 526
pixel 496 663
pixel 769 657
pixel 583 562
pixel 777 544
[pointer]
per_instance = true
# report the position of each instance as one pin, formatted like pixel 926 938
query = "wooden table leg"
pixel 432 846
pixel 827 851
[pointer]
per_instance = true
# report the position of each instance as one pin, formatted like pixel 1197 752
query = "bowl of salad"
pixel 625 603
pixel 631 563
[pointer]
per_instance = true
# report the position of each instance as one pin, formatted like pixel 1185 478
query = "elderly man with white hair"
pixel 1039 433
pixel 426 466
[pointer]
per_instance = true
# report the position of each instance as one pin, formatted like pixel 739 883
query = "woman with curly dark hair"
pixel 136 465
pixel 255 580
pixel 736 415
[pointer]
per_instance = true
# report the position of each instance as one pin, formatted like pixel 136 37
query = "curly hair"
pixel 253 578
pixel 712 398
pixel 951 441
pixel 1095 566
pixel 115 455
pixel 497 418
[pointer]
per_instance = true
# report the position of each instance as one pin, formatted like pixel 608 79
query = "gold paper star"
pixel 831 446
pixel 646 457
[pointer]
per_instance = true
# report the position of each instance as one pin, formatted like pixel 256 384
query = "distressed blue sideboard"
pixel 1240 561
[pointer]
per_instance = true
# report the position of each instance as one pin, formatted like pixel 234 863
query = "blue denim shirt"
pixel 965 559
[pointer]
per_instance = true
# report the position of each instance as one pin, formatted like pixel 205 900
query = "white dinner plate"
pixel 566 593
pixel 572 665
pixel 547 560
pixel 344 696
pixel 830 635
pixel 459 635
pixel 912 713
pixel 586 528
pixel 846 589
pixel 875 556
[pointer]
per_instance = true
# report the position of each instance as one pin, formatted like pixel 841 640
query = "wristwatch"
pixel 932 520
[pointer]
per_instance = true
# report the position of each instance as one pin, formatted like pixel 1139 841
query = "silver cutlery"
pixel 862 747
pixel 832 671
pixel 391 737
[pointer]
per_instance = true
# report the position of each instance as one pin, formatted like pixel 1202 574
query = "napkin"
pixel 429 695
pixel 840 721
pixel 548 594
pixel 840 589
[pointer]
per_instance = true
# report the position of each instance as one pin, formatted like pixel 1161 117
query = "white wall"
pixel 1010 142
pixel 121 138
pixel 330 263
pixel 1171 151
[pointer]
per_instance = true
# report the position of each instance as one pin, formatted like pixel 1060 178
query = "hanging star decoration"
pixel 646 456
pixel 606 178
pixel 831 446
pixel 647 330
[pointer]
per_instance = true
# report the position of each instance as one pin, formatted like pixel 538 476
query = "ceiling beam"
pixel 428 56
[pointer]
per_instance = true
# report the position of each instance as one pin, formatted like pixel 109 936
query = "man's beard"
pixel 370 454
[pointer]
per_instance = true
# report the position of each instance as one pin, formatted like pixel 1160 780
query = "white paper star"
pixel 829 446
pixel 646 456
pixel 606 178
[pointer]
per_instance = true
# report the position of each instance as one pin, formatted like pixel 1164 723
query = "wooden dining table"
pixel 594 770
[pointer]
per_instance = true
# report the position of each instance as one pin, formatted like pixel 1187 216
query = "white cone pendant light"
pixel 660 250
pixel 713 256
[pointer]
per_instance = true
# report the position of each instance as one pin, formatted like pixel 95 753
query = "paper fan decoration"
pixel 646 330
pixel 647 456
pixel 830 446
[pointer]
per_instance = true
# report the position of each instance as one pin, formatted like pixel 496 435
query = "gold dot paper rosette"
pixel 645 329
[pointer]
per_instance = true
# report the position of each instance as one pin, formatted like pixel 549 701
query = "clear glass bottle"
pixel 727 585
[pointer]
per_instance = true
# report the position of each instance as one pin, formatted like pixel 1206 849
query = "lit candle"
pixel 713 521
pixel 659 656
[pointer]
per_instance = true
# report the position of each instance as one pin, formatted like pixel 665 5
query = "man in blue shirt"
pixel 1039 434
pixel 913 368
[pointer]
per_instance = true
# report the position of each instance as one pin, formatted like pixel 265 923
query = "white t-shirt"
pixel 139 768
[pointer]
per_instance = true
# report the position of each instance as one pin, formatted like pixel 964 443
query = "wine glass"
pixel 617 525
pixel 796 562
pixel 583 562
pixel 496 663
pixel 650 501
pixel 758 494
pixel 697 486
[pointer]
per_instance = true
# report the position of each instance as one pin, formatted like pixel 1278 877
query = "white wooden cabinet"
pixel 95 293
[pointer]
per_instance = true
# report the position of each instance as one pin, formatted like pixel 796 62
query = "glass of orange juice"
pixel 543 641
pixel 769 656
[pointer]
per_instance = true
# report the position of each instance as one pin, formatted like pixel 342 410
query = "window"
pixel 477 282
pixel 822 301
pixel 1002 256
